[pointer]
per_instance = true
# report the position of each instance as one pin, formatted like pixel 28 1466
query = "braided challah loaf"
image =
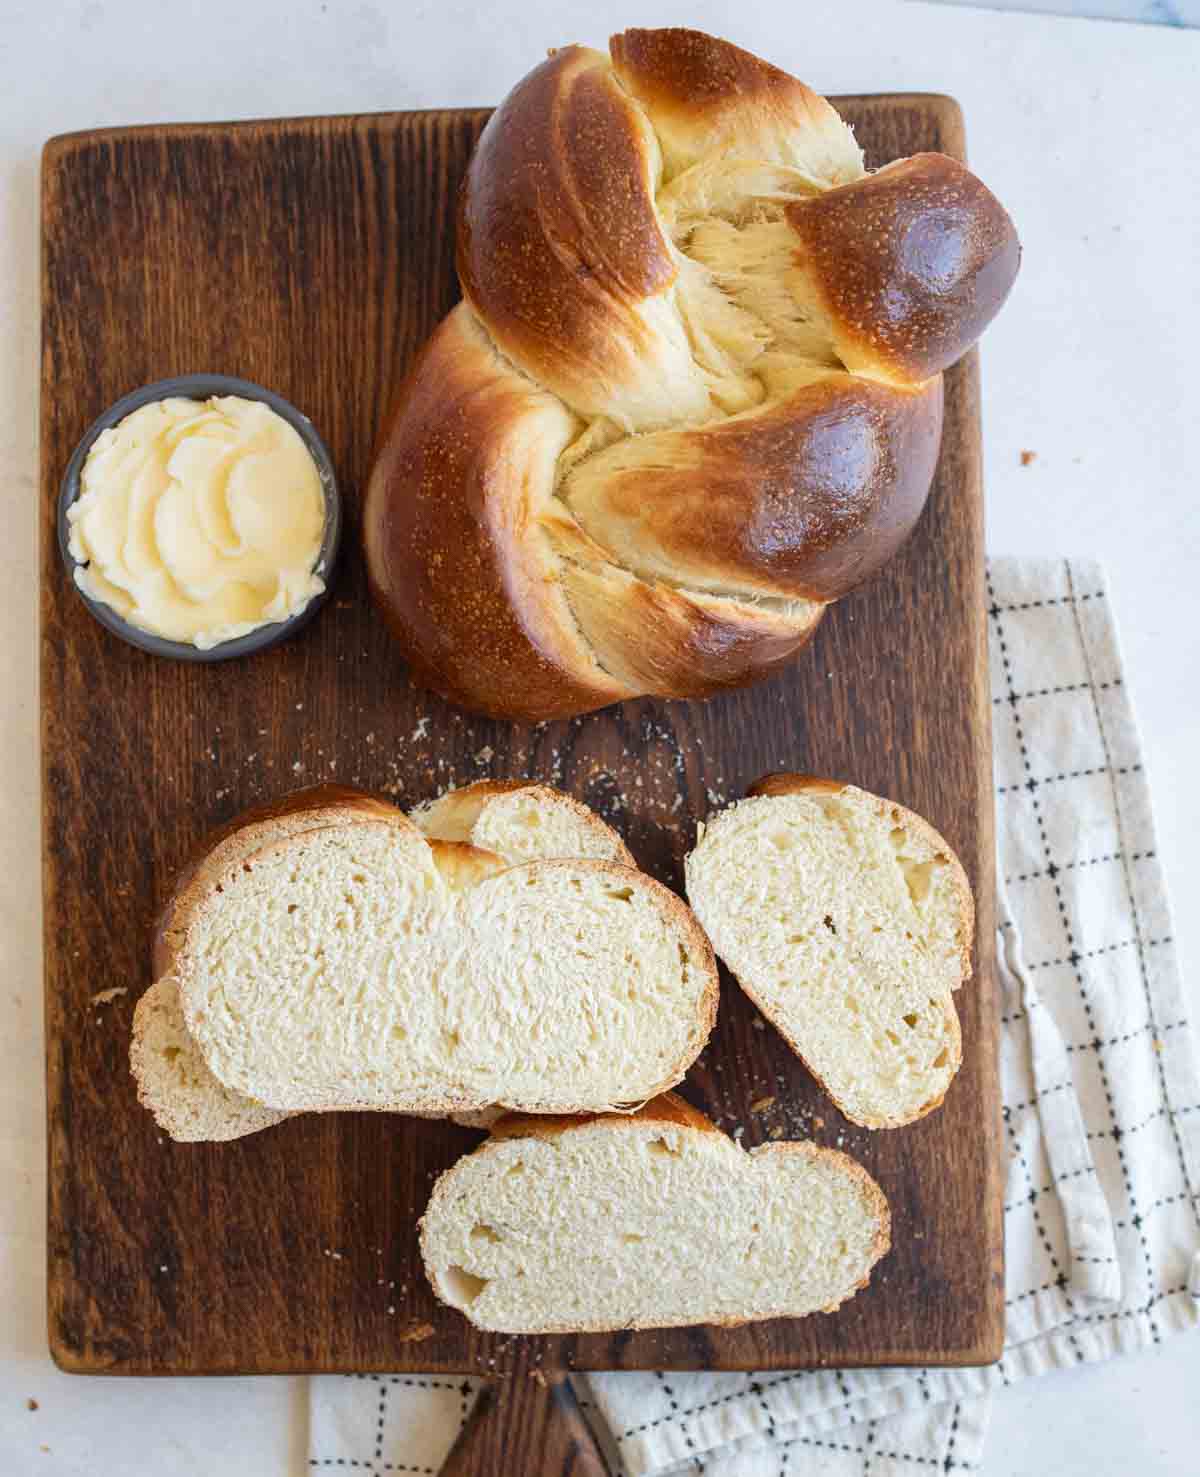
pixel 693 392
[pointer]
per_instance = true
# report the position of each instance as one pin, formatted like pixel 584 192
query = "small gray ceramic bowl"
pixel 201 387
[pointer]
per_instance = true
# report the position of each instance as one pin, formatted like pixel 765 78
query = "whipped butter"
pixel 199 521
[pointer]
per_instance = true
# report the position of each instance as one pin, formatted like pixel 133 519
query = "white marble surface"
pixel 1084 130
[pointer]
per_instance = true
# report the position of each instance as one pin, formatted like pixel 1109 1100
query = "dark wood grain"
pixel 314 256
pixel 514 1419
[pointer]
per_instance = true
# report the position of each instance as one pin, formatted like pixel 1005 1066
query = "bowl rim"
pixel 202 387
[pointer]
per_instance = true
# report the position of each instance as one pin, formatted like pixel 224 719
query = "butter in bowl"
pixel 199 518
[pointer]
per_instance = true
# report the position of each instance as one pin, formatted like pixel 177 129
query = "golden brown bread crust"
pixel 469 597
pixel 926 237
pixel 785 783
pixel 678 643
pixel 667 1107
pixel 803 500
pixel 558 237
pixel 530 549
pixel 461 570
pixel 671 1110
pixel 706 95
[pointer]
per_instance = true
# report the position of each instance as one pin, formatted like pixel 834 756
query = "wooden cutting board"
pixel 314 256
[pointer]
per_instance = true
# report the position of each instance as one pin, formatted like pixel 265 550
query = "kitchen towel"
pixel 1101 1116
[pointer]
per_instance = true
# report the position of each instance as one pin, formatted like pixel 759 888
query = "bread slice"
pixel 651 1220
pixel 522 822
pixel 353 961
pixel 174 1082
pixel 528 821
pixel 848 920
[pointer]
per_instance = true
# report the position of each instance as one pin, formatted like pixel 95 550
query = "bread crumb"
pixel 758 1023
pixel 31 1404
pixel 760 1105
pixel 1157 1044
pixel 1028 458
pixel 775 1133
pixel 104 996
pixel 484 756
pixel 818 1121
pixel 421 731
pixel 415 1333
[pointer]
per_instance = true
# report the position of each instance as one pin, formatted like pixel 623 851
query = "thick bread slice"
pixel 647 1221
pixel 338 970
pixel 522 822
pixel 173 1079
pixel 174 1082
pixel 848 920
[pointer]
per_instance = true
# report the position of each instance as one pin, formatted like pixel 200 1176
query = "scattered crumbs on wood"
pixel 421 731
pixel 162 1266
pixel 1028 458
pixel 539 1375
pixel 760 1105
pixel 775 1132
pixel 102 997
pixel 391 1308
pixel 334 1255
pixel 415 1333
pixel 818 1121
pixel 31 1404
pixel 484 755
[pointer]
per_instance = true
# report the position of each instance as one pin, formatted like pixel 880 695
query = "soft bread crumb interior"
pixel 845 923
pixel 339 970
pixel 648 1224
pixel 174 1080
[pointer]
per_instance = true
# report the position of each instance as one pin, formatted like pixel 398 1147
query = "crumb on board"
pixel 31 1404
pixel 102 997
pixel 414 1333
pixel 760 1105
pixel 1028 458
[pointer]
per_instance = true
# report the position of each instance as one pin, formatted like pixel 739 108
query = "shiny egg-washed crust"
pixel 783 783
pixel 563 511
pixel 671 1110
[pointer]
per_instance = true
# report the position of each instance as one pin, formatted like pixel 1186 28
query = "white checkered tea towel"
pixel 1101 1112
